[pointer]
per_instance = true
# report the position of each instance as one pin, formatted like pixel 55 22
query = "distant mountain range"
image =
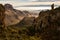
pixel 14 16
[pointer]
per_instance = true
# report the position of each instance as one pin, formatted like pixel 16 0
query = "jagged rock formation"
pixel 14 16
pixel 45 27
pixel 8 6
pixel 48 24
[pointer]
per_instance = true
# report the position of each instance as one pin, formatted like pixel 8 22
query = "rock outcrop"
pixel 14 16
pixel 48 24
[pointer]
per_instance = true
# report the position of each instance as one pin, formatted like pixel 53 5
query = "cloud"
pixel 18 0
pixel 47 0
pixel 31 0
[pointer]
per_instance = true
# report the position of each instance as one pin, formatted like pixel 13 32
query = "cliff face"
pixel 48 24
pixel 49 17
pixel 13 16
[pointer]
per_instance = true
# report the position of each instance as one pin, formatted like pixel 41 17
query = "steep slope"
pixel 13 16
pixel 48 24
pixel 26 22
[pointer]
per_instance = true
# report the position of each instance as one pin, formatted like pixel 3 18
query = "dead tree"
pixel 2 15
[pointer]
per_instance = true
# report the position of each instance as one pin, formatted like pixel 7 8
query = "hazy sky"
pixel 17 2
pixel 29 2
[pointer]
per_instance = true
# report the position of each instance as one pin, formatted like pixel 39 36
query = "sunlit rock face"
pixel 13 16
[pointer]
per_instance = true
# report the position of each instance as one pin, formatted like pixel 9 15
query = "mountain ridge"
pixel 13 16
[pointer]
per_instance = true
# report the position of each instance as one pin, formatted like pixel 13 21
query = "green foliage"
pixel 16 33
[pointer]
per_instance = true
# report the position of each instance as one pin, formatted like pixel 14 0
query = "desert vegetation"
pixel 45 27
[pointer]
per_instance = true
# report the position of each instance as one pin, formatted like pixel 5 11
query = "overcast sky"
pixel 31 0
pixel 25 1
pixel 28 2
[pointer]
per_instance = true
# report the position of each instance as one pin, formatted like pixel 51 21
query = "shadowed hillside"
pixel 27 21
pixel 45 27
pixel 48 24
pixel 13 16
